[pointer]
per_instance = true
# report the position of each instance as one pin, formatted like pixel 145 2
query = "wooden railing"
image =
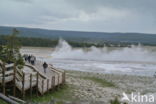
pixel 24 81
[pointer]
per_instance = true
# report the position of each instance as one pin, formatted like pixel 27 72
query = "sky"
pixel 81 15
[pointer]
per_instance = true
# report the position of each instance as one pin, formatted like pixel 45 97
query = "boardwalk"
pixel 31 76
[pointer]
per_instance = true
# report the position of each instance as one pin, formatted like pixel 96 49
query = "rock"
pixel 89 90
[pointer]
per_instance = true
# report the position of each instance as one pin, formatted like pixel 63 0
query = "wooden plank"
pixel 23 83
pixel 1 62
pixel 9 65
pixel 3 79
pixel 19 72
pixel 17 99
pixel 58 79
pixel 7 73
pixel 31 85
pixel 6 99
pixel 47 85
pixel 64 77
pixel 36 70
pixel 59 70
pixel 7 79
pixel 53 81
pixel 37 83
pixel 42 87
pixel 14 81
pixel 18 77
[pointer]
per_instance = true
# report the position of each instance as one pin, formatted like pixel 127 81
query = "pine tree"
pixel 10 53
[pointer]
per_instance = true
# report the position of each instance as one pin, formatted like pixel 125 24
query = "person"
pixel 29 58
pixel 32 60
pixel 45 65
pixel 25 57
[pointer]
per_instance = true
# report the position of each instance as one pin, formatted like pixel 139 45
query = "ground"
pixel 97 88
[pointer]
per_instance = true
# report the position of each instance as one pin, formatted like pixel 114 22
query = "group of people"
pixel 32 60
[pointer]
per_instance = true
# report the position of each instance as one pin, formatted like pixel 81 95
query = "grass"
pixel 2 102
pixel 63 93
pixel 102 82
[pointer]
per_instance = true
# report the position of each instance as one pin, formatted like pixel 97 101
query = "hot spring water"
pixel 137 60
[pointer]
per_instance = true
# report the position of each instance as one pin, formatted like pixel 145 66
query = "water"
pixel 135 60
pixel 134 53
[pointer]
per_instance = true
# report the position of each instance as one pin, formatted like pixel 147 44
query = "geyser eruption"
pixel 133 53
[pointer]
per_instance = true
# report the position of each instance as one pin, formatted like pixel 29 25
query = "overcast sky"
pixel 81 15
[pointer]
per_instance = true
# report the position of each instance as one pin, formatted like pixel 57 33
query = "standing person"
pixel 29 58
pixel 32 60
pixel 26 57
pixel 45 65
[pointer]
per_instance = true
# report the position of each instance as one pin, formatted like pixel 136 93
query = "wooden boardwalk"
pixel 29 77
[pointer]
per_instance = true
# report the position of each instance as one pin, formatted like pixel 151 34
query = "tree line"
pixel 44 42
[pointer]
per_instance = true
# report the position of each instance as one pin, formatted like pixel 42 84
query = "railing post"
pixel 37 79
pixel 14 81
pixel 31 85
pixel 23 84
pixel 42 87
pixel 3 80
pixel 58 78
pixel 47 85
pixel 53 81
pixel 64 78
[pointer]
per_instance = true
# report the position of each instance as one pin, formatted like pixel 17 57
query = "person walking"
pixel 45 65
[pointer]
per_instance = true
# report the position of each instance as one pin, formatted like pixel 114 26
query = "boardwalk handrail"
pixel 16 99
pixel 7 99
pixel 30 76
pixel 56 69
pixel 43 76
pixel 9 65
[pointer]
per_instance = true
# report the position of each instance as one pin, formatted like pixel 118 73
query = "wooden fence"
pixel 25 80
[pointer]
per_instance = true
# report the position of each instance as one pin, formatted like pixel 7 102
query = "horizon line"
pixel 74 30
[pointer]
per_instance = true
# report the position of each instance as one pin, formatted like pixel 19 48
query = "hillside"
pixel 90 37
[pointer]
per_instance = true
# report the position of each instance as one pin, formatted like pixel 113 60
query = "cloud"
pixel 25 1
pixel 86 15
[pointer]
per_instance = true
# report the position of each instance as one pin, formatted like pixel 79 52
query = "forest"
pixel 74 42
pixel 44 42
pixel 49 38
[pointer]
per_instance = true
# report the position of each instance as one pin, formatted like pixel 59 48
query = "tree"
pixel 10 53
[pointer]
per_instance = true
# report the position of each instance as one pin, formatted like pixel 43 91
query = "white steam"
pixel 133 53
